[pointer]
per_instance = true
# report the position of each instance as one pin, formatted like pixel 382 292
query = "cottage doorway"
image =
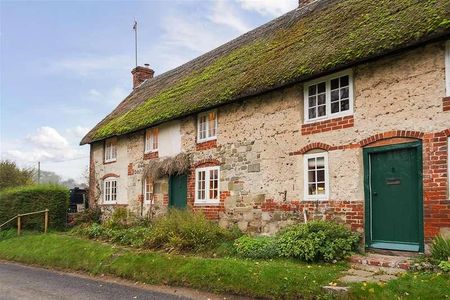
pixel 178 191
pixel 393 192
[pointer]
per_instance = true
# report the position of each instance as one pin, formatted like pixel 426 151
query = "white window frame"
pixel 150 140
pixel 146 200
pixel 207 200
pixel 109 198
pixel 110 154
pixel 306 195
pixel 327 80
pixel 447 68
pixel 207 138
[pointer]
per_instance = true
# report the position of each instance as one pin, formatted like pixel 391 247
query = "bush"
pixel 440 248
pixel 256 247
pixel 34 198
pixel 317 241
pixel 445 265
pixel 89 216
pixel 183 230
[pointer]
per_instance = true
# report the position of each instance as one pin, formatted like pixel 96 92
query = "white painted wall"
pixel 169 139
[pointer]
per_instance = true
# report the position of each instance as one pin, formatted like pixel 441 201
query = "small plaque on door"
pixel 392 181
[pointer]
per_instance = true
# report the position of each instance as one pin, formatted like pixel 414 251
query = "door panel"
pixel 393 197
pixel 178 191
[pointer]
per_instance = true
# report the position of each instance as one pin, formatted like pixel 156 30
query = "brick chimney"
pixel 302 3
pixel 140 74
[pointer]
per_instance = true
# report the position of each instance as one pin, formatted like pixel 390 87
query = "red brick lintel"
pixel 328 125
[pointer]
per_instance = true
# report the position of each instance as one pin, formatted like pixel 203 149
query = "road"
pixel 23 282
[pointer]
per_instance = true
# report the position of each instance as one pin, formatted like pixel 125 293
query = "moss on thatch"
pixel 177 165
pixel 326 36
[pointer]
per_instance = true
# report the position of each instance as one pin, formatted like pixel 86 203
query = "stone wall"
pixel 261 142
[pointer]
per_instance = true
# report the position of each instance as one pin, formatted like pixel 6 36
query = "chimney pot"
pixel 140 74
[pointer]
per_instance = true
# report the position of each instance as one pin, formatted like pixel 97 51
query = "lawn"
pixel 270 279
pixel 277 278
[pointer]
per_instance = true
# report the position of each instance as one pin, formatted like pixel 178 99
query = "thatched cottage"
pixel 337 110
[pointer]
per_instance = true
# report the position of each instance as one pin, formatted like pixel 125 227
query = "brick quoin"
pixel 446 104
pixel 92 180
pixel 328 125
pixel 130 169
pixel 151 155
pixel 206 145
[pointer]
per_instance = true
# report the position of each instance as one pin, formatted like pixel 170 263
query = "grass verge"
pixel 409 286
pixel 268 279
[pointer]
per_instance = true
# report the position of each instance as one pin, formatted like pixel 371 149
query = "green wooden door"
pixel 395 198
pixel 178 191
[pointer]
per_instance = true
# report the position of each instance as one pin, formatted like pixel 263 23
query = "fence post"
pixel 18 224
pixel 46 221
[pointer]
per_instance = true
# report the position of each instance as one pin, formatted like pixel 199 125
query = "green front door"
pixel 394 197
pixel 178 191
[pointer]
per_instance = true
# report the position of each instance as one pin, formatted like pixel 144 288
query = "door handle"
pixel 375 193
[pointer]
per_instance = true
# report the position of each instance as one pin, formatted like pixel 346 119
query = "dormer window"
pixel 207 126
pixel 110 150
pixel 151 140
pixel 329 97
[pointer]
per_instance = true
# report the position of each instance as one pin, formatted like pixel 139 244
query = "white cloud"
pixel 48 137
pixel 77 133
pixel 224 14
pixel 269 7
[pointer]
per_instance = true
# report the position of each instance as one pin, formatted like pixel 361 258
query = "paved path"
pixel 23 282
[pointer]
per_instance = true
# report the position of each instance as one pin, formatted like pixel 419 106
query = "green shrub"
pixel 440 248
pixel 317 241
pixel 89 216
pixel 118 219
pixel 256 247
pixel 35 198
pixel 183 230
pixel 445 265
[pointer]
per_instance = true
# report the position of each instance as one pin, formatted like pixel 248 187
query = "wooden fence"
pixel 20 216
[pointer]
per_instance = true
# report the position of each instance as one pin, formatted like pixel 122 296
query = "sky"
pixel 64 65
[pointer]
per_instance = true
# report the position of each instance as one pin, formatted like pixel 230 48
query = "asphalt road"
pixel 23 282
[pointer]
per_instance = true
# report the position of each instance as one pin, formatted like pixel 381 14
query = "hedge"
pixel 34 198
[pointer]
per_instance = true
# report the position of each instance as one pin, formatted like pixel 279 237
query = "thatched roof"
pixel 322 37
pixel 158 168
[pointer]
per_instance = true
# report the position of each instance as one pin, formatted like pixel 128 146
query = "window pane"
pixel 344 93
pixel 312 189
pixel 321 110
pixel 311 164
pixel 321 188
pixel 335 83
pixel 344 81
pixel 312 113
pixel 312 101
pixel 320 175
pixel 345 105
pixel 335 107
pixel 320 163
pixel 334 95
pixel 312 90
pixel 311 176
pixel 321 87
pixel 321 99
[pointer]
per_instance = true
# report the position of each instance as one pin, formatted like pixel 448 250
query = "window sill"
pixel 308 199
pixel 206 145
pixel 106 162
pixel 151 155
pixel 211 203
pixel 327 125
pixel 109 203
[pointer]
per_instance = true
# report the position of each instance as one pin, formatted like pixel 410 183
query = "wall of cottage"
pixel 261 142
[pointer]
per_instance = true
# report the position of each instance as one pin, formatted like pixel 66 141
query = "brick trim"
pixel 206 145
pixel 328 125
pixel 130 169
pixel 92 181
pixel 109 175
pixel 391 134
pixel 151 155
pixel 446 104
pixel 209 162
